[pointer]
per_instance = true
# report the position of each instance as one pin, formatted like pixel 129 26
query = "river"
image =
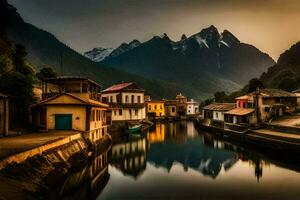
pixel 175 161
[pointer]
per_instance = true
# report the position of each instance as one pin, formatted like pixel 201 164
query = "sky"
pixel 270 25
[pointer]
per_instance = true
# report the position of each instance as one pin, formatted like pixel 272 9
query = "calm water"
pixel 175 161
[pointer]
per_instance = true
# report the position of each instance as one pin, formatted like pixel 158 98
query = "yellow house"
pixel 75 110
pixel 156 108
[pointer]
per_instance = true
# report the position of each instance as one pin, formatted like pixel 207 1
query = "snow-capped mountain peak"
pixel 125 47
pixel 98 54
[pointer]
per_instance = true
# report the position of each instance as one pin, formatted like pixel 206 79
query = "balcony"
pixel 126 105
pixel 93 96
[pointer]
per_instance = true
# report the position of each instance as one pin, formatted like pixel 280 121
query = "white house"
pixel 192 107
pixel 126 100
pixel 214 113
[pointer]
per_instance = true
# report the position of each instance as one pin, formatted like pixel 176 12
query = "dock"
pixel 19 148
pixel 261 138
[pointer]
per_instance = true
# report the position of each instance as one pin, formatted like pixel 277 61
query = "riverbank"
pixel 262 138
pixel 33 173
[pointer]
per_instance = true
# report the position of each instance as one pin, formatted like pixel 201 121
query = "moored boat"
pixel 136 129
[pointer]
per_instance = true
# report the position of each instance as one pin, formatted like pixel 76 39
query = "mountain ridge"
pixel 199 65
pixel 45 50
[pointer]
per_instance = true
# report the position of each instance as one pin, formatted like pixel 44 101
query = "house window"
pixel 84 88
pixel 132 98
pixel 160 106
pixel 136 112
pixel 139 99
pixel 217 115
pixel 149 107
pixel 126 99
pixel 115 112
pixel 120 112
pixel 173 109
pixel 93 115
pixel 267 109
pixel 111 99
pixel 155 107
pixel 277 100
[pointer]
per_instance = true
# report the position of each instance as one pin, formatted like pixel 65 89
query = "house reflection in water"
pixel 130 156
pixel 89 182
pixel 190 152
pixel 156 134
pixel 178 132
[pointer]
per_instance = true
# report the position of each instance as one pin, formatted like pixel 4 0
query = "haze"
pixel 270 25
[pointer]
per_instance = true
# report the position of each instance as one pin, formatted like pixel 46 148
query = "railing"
pixel 126 105
pixel 237 127
pixel 92 96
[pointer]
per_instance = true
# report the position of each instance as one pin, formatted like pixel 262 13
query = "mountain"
pixel 123 48
pixel 285 74
pixel 44 49
pixel 98 54
pixel 198 65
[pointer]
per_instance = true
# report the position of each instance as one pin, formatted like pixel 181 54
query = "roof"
pixel 242 97
pixel 171 102
pixel 122 86
pixel 156 101
pixel 240 111
pixel 296 91
pixel 60 79
pixel 220 106
pixel 180 96
pixel 84 102
pixel 273 93
pixel 3 96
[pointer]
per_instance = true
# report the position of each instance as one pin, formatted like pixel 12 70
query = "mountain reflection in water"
pixel 175 157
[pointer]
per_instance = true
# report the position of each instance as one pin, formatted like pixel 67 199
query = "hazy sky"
pixel 271 25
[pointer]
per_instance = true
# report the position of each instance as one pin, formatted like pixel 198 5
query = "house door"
pixel 63 122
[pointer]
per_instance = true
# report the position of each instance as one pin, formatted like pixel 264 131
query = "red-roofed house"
pixel 126 100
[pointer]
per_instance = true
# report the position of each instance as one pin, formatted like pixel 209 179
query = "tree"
pixel 221 97
pixel 288 84
pixel 20 61
pixel 46 72
pixel 17 81
pixel 255 84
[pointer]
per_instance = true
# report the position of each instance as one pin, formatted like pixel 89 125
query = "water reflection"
pixel 129 156
pixel 176 157
pixel 190 153
pixel 88 182
pixel 166 145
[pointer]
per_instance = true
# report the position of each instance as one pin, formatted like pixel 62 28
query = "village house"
pixel 297 93
pixel 155 109
pixel 192 107
pixel 71 103
pixel 243 115
pixel 181 105
pixel 240 118
pixel 4 115
pixel 269 103
pixel 213 114
pixel 170 108
pixel 126 100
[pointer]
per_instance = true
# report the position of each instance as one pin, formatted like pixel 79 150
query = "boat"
pixel 136 129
